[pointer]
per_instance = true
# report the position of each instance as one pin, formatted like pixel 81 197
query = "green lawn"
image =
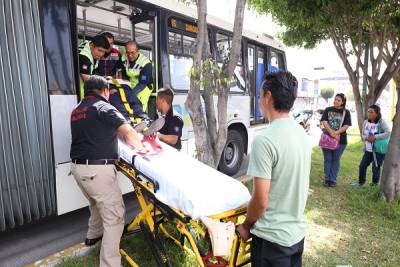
pixel 345 226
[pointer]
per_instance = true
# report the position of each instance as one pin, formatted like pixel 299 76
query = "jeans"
pixel 332 163
pixel 367 159
pixel 267 254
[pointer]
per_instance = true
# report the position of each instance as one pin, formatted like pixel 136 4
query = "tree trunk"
pixel 193 100
pixel 390 184
pixel 210 139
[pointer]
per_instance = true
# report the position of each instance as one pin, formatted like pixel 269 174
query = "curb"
pixel 76 250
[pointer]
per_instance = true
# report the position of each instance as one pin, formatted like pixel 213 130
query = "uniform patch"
pixel 84 67
pixel 176 129
pixel 143 78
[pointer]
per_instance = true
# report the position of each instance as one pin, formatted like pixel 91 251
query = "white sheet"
pixel 187 184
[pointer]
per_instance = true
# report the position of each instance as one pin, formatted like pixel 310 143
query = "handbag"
pixel 328 142
pixel 381 145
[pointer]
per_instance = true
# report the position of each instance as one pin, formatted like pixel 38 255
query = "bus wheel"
pixel 232 155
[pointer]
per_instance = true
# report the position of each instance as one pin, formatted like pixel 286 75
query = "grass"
pixel 345 226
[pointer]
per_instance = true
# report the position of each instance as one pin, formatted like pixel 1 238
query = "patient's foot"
pixel 139 127
pixel 154 127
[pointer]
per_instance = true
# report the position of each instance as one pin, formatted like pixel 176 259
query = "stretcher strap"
pixel 124 100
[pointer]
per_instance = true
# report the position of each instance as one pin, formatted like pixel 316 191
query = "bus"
pixel 40 82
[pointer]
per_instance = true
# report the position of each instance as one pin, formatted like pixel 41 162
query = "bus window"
pixel 144 37
pixel 251 78
pixel 181 49
pixel 223 44
pixel 277 62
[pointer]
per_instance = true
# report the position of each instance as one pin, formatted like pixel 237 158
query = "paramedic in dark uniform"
pixel 171 132
pixel 95 125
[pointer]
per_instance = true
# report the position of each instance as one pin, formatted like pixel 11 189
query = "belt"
pixel 93 161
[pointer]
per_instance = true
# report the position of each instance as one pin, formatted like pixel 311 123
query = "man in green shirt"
pixel 280 166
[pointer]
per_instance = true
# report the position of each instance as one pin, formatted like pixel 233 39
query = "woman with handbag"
pixel 375 134
pixel 335 120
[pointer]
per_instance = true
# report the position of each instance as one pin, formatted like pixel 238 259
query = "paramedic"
pixel 171 132
pixel 95 125
pixel 280 166
pixel 89 54
pixel 110 62
pixel 138 70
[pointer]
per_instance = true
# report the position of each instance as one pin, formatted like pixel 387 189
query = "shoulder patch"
pixel 84 67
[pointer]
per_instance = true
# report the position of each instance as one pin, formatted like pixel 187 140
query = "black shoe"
pixel 332 184
pixel 326 183
pixel 91 242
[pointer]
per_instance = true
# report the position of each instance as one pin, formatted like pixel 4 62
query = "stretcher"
pixel 176 190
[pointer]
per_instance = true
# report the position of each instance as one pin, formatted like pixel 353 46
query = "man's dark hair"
pixel 100 41
pixel 108 35
pixel 283 88
pixel 167 94
pixel 95 84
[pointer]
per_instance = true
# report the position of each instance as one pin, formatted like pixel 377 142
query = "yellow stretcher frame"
pixel 154 213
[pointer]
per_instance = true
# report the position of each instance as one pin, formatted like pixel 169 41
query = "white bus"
pixel 40 81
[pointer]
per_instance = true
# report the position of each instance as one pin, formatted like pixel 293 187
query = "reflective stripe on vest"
pixel 84 50
pixel 133 74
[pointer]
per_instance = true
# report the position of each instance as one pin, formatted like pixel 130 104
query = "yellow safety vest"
pixel 133 74
pixel 84 50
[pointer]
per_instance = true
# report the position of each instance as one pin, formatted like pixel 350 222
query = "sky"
pixel 301 62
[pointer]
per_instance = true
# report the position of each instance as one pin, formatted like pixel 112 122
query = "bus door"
pixel 144 29
pixel 256 71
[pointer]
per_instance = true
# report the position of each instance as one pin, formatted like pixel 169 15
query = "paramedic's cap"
pixel 95 82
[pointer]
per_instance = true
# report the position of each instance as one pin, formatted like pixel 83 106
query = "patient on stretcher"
pixel 123 98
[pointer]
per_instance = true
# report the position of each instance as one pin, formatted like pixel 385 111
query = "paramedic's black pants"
pixel 268 254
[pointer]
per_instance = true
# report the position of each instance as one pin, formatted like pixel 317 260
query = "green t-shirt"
pixel 282 153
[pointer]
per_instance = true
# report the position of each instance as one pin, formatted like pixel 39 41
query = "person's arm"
pixel 174 131
pixel 130 136
pixel 168 138
pixel 257 206
pixel 145 78
pixel 262 159
pixel 346 123
pixel 84 67
pixel 385 130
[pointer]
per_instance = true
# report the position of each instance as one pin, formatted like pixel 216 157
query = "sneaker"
pixel 326 183
pixel 90 242
pixel 332 184
pixel 154 127
pixel 356 185
pixel 140 127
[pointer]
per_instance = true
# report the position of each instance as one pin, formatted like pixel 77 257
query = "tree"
pixel 327 93
pixel 390 182
pixel 367 31
pixel 209 126
pixel 353 26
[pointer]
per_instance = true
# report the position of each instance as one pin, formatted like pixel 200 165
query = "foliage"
pixel 327 93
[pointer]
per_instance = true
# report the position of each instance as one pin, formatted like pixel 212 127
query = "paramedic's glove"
pixel 243 232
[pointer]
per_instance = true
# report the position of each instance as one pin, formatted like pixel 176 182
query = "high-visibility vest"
pixel 84 50
pixel 133 74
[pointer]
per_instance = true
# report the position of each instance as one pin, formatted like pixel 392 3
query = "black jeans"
pixel 268 254
pixel 367 159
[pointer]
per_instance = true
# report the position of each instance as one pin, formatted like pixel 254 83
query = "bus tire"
pixel 232 155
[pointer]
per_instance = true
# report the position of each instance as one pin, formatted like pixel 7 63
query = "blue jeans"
pixel 332 163
pixel 367 159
